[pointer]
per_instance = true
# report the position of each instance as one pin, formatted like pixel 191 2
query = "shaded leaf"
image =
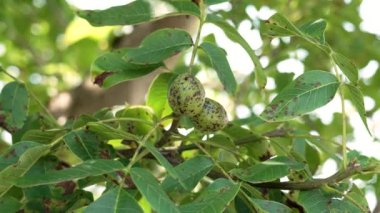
pixel 42 136
pixel 18 169
pixel 84 144
pixel 347 66
pixel 14 152
pixel 159 46
pixel 138 12
pixel 157 97
pixel 111 69
pixel 232 33
pixel 14 102
pixel 9 204
pixel 115 200
pixel 315 29
pixel 192 171
pixel 317 201
pixel 107 132
pixel 356 97
pixel 271 206
pixel 269 170
pixel 211 2
pixel 85 169
pixel 222 67
pixel 152 191
pixel 214 198
pixel 306 93
pixel 165 163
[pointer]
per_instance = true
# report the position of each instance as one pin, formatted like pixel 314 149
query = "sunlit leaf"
pixel 347 66
pixel 138 12
pixel 152 191
pixel 357 99
pixel 159 46
pixel 235 36
pixel 278 25
pixel 214 198
pixel 85 169
pixel 115 200
pixel 157 97
pixel 222 67
pixel 315 29
pixel 306 93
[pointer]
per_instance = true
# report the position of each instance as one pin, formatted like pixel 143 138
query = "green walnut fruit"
pixel 186 95
pixel 213 117
pixel 137 127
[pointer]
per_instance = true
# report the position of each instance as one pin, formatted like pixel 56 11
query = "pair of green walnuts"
pixel 187 97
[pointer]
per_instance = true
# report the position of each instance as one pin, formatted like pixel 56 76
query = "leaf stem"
pixel 344 117
pixel 215 162
pixel 198 38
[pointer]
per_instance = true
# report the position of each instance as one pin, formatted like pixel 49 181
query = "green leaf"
pixel 192 171
pixel 316 201
pixel 107 132
pixel 356 97
pixel 211 2
pixel 14 152
pixel 83 170
pixel 363 160
pixel 222 67
pixel 278 25
pixel 271 206
pixel 9 204
pixel 269 170
pixel 110 69
pixel 159 46
pixel 213 199
pixel 42 136
pixel 232 33
pixel 315 29
pixel 138 12
pixel 157 97
pixel 347 66
pixel 165 163
pixel 115 200
pixel 151 190
pixel 14 102
pixel 84 144
pixel 306 93
pixel 18 169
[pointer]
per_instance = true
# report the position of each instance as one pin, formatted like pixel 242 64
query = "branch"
pixel 352 169
pixel 166 136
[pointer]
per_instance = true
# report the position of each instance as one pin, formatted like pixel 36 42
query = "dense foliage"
pixel 141 154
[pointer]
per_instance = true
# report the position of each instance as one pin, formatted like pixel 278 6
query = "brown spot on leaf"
pixel 99 80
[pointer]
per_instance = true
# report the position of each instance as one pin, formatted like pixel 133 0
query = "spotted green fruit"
pixel 212 118
pixel 136 127
pixel 186 95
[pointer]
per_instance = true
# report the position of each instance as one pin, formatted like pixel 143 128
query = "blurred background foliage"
pixel 42 42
